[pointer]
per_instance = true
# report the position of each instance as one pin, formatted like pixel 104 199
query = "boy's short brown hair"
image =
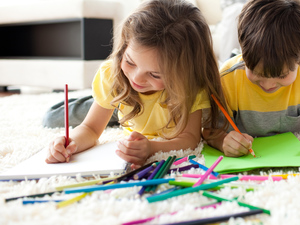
pixel 269 33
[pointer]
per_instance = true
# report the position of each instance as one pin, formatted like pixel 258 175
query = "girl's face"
pixel 141 67
pixel 271 85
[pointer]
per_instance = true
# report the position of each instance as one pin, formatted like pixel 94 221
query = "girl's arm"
pixel 189 138
pixel 137 148
pixel 82 137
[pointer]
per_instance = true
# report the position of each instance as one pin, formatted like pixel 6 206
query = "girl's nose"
pixel 138 77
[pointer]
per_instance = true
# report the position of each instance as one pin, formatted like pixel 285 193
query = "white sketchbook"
pixel 99 160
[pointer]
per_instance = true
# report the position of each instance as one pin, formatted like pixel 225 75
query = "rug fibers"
pixel 22 135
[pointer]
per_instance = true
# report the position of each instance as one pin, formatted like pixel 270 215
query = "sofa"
pixel 52 59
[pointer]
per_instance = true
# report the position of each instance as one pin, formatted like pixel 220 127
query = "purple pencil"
pixel 151 176
pixel 183 168
pixel 142 173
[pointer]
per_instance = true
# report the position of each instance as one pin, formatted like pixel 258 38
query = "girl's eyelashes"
pixel 129 63
pixel 155 76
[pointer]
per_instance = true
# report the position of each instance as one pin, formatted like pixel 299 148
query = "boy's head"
pixel 269 35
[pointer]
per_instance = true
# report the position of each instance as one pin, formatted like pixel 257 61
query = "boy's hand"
pixel 58 153
pixel 135 149
pixel 236 144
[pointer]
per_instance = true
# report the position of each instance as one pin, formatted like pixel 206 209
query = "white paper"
pixel 99 160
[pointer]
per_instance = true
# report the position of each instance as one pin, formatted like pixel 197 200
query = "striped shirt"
pixel 254 111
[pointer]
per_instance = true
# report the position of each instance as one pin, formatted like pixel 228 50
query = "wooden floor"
pixel 7 92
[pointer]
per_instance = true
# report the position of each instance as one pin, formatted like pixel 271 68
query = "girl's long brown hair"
pixel 178 30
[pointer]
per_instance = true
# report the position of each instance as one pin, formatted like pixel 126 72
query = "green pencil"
pixel 182 183
pixel 190 190
pixel 164 171
pixel 149 188
pixel 220 198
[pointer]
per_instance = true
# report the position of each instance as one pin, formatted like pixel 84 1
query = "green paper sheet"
pixel 281 150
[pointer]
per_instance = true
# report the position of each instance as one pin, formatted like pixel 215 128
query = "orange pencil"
pixel 230 120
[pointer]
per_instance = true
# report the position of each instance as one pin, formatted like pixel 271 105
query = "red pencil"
pixel 230 120
pixel 66 116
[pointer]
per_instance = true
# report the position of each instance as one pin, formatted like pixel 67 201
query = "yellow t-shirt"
pixel 154 117
pixel 254 111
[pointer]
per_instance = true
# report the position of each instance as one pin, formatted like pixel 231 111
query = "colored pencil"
pixel 183 168
pixel 230 120
pixel 241 177
pixel 218 219
pixel 86 183
pixel 190 190
pixel 131 173
pixel 204 167
pixel 285 176
pixel 157 175
pixel 200 181
pixel 32 201
pixel 141 191
pixel 66 116
pixel 32 196
pixel 182 183
pixel 184 159
pixel 168 190
pixel 115 186
pixel 164 171
pixel 142 173
pixel 71 201
pixel 220 198
pixel 213 205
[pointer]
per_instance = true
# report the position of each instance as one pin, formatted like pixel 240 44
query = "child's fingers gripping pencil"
pixel 230 120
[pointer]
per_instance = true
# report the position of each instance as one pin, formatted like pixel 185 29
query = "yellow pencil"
pixel 86 183
pixel 285 176
pixel 230 120
pixel 71 201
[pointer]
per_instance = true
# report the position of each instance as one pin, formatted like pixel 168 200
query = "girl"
pixel 159 76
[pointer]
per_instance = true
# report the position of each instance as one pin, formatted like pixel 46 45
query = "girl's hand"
pixel 236 144
pixel 57 152
pixel 135 149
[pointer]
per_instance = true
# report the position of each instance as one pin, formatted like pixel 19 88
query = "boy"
pixel 262 84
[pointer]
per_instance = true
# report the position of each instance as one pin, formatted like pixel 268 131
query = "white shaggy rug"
pixel 22 135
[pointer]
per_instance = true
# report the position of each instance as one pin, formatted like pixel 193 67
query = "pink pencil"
pixel 214 205
pixel 180 161
pixel 66 116
pixel 241 177
pixel 200 181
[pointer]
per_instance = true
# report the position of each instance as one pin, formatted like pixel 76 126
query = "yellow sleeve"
pixel 102 85
pixel 202 101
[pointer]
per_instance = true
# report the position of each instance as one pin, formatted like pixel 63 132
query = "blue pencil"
pixel 25 202
pixel 115 186
pixel 189 190
pixel 204 167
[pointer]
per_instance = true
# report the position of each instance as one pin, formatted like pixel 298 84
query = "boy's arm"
pixel 217 140
pixel 233 144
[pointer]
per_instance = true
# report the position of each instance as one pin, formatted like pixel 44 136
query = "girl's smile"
pixel 141 67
